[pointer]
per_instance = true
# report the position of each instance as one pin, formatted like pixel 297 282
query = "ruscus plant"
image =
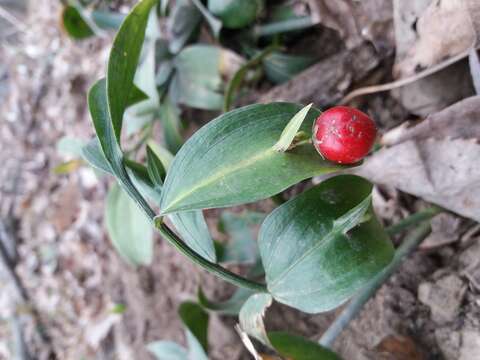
pixel 314 252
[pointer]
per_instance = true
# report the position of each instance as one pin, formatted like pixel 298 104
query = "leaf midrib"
pixel 224 172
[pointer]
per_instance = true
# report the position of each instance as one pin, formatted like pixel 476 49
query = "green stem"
pixel 410 243
pixel 215 269
pixel 280 27
pixel 413 219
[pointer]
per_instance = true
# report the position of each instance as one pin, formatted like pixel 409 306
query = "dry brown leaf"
pixel 436 160
pixel 429 33
pixel 397 347
pixel 438 31
pixel 357 21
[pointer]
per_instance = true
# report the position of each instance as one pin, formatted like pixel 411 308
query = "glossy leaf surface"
pixel 298 348
pixel 319 248
pixel 129 229
pixel 231 161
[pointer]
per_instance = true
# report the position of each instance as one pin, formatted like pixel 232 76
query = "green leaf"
pixel 298 348
pixel 167 350
pixel 231 306
pixel 92 153
pixel 319 248
pixel 242 246
pixel 193 229
pixel 155 168
pixel 123 61
pixel 237 79
pixel 169 116
pixel 129 230
pixel 97 102
pixel 196 321
pixel 280 68
pixel 251 316
pixel 136 96
pixel 70 146
pixel 230 161
pixel 190 225
pixel 288 134
pixel 235 14
pixel 197 82
pixel 74 23
pixel 213 22
pixel 107 19
pixel 182 24
pixel 163 154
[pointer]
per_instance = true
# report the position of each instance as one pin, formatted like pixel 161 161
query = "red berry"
pixel 344 135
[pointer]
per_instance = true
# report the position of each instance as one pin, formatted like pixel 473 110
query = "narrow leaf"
pixel 169 116
pixel 123 61
pixel 251 316
pixel 129 230
pixel 162 154
pixel 156 171
pixel 299 348
pixel 288 134
pixel 319 248
pixel 97 103
pixel 230 161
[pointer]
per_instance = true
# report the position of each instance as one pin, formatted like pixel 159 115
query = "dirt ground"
pixel 73 279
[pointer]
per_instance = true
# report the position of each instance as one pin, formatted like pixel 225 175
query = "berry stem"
pixel 410 243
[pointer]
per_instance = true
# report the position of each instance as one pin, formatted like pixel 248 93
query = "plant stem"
pixel 215 269
pixel 410 243
pixel 413 219
pixel 284 26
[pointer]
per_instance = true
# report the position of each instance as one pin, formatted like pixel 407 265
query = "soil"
pixel 430 309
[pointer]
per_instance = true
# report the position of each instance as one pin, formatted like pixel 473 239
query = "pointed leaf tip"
pixel 288 134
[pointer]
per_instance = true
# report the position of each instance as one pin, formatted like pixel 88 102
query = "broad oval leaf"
pixel 299 348
pixel 319 248
pixel 231 160
pixel 130 230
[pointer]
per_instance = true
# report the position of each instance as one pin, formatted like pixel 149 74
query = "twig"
pixel 410 243
pixel 399 83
